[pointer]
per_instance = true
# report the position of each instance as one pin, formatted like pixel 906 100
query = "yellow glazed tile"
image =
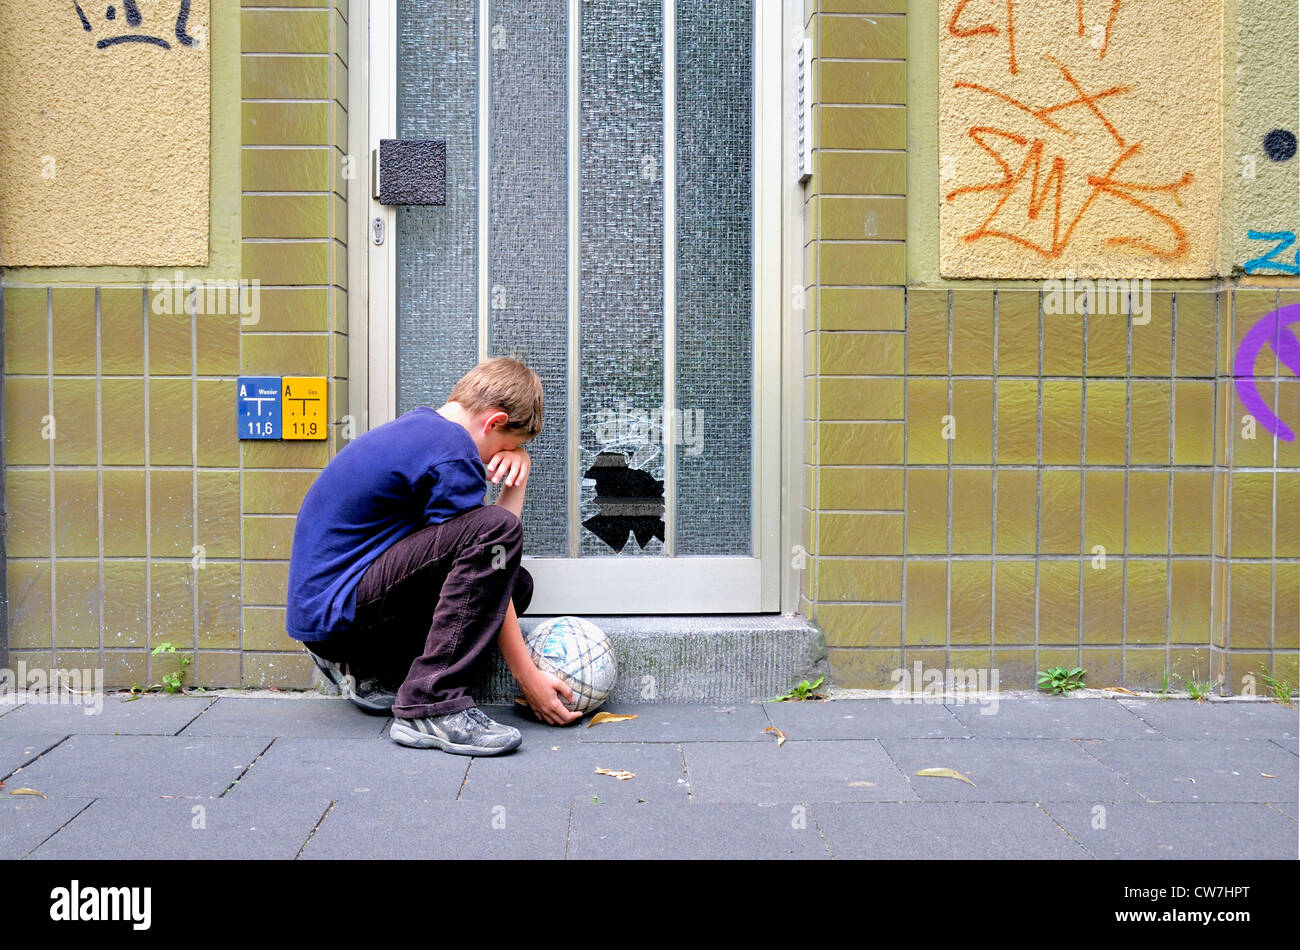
pixel 927 511
pixel 1106 423
pixel 74 331
pixel 1148 505
pixel 1061 498
pixel 972 405
pixel 972 511
pixel 927 603
pixel 1014 608
pixel 1018 332
pixel 971 599
pixel 972 331
pixel 1017 422
pixel 1017 511
pixel 1062 421
pixel 1146 589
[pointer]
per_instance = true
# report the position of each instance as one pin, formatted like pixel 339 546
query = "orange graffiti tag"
pixel 989 29
pixel 1050 185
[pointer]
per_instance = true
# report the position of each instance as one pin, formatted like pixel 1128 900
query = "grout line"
pixel 247 767
pixel 311 834
pixel 49 386
pixel 148 494
pixel 79 813
pixel 99 466
pixel 949 480
pixel 28 762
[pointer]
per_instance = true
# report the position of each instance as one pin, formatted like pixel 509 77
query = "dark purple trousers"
pixel 431 605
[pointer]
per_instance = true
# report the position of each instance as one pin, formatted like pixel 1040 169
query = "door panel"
pixel 617 213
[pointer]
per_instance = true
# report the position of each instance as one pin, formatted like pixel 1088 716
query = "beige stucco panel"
pixel 103 152
pixel 1136 172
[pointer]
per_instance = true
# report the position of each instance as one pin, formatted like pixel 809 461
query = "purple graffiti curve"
pixel 1268 330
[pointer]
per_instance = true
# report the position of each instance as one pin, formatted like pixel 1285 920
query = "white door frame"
pixel 614 585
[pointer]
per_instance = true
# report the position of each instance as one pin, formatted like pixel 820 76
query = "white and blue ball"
pixel 580 654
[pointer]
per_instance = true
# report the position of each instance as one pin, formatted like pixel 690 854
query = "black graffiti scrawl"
pixel 629 499
pixel 131 11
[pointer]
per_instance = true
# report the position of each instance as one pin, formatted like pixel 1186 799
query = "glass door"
pixel 600 225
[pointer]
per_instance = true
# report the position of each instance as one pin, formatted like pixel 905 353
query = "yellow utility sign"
pixel 302 399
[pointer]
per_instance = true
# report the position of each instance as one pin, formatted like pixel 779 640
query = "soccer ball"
pixel 579 653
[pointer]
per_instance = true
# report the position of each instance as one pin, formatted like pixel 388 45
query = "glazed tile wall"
pixel 141 519
pixel 972 462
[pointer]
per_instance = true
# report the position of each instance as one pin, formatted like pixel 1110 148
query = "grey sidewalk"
pixel 231 776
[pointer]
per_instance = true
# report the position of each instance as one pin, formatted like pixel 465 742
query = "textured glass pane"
pixel 437 247
pixel 528 250
pixel 622 275
pixel 714 281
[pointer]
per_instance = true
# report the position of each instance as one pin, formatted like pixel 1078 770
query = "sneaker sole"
pixel 413 738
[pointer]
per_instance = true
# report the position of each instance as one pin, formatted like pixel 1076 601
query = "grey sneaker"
pixel 367 693
pixel 468 732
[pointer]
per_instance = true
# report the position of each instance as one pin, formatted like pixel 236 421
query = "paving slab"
pixel 423 829
pixel 1202 770
pixel 148 715
pixel 679 832
pixel 140 766
pixel 306 717
pixel 1292 745
pixel 1181 830
pixel 1056 717
pixel 566 772
pixel 7 705
pixel 1187 719
pixel 27 820
pixel 863 719
pixel 945 831
pixel 1008 770
pixel 669 722
pixel 334 769
pixel 20 749
pixel 210 829
pixel 796 771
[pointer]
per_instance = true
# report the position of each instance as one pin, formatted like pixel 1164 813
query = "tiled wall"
pixel 143 519
pixel 1065 436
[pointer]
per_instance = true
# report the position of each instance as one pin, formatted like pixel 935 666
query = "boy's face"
pixel 488 436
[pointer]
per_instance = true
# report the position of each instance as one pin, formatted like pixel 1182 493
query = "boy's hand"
pixel 511 464
pixel 543 693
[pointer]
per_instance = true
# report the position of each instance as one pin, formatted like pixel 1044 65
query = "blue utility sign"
pixel 258 405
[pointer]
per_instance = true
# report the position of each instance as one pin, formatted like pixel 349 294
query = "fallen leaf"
pixel 520 701
pixel 945 773
pixel 275 689
pixel 1118 689
pixel 862 784
pixel 1265 774
pixel 780 736
pixel 621 774
pixel 608 717
pixel 25 791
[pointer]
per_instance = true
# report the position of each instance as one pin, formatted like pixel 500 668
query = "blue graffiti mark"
pixel 1287 240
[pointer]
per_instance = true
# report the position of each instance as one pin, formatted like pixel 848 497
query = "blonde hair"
pixel 506 384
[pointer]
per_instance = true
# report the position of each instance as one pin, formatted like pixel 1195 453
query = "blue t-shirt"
pixel 418 470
